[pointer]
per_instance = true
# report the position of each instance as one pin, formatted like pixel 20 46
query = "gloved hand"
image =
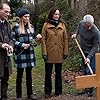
pixel 65 57
pixel 45 57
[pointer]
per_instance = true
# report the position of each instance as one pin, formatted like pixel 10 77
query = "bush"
pixel 41 20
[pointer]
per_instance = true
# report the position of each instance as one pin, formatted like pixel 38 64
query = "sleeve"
pixel 34 42
pixel 43 42
pixel 11 42
pixel 33 32
pixel 1 45
pixel 65 41
pixel 15 36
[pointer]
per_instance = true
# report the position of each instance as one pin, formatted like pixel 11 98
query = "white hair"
pixel 88 18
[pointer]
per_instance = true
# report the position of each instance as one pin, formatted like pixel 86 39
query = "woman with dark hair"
pixel 54 50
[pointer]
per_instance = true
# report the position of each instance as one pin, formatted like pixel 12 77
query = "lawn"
pixel 38 79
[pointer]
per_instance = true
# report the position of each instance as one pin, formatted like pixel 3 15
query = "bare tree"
pixel 1 1
pixel 94 9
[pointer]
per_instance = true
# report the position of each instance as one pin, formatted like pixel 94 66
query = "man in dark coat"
pixel 6 46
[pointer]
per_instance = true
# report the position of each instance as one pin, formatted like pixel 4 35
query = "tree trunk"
pixel 82 8
pixel 94 9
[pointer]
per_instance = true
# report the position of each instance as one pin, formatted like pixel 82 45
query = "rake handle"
pixel 83 55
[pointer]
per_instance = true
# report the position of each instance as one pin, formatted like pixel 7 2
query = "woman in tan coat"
pixel 54 50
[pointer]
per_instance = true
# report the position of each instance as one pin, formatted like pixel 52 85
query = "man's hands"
pixel 87 61
pixel 73 36
pixel 5 45
pixel 8 47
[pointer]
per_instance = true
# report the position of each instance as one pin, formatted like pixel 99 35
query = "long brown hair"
pixel 51 13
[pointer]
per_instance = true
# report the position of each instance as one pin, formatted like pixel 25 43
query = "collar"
pixel 52 26
pixel 2 21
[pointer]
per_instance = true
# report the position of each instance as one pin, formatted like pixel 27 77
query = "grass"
pixel 38 79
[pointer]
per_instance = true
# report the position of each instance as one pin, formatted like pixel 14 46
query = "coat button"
pixel 55 34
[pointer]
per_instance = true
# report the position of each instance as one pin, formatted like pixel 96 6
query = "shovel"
pixel 88 65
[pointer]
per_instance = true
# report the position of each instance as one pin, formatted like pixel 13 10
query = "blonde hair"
pixel 22 28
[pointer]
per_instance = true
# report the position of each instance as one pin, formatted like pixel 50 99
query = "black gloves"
pixel 65 57
pixel 45 57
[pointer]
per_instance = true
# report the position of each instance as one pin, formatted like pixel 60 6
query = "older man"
pixel 5 48
pixel 89 41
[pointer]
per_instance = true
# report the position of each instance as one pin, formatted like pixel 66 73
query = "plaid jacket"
pixel 23 58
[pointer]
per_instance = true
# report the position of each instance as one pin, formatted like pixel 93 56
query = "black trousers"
pixel 19 81
pixel 58 78
pixel 4 83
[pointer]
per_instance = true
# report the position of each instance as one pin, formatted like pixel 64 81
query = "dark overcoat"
pixel 5 37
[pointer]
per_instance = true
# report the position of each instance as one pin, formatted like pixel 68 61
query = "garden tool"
pixel 88 65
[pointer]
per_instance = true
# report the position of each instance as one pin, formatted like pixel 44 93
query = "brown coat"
pixel 54 42
pixel 3 53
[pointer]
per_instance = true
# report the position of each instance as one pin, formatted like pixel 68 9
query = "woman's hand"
pixel 26 46
pixel 38 38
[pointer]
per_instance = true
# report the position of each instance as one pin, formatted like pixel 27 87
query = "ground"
pixel 66 97
pixel 69 77
pixel 70 97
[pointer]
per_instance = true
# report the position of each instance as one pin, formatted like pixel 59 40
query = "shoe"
pixel 47 95
pixel 82 92
pixel 58 94
pixel 18 98
pixel 33 97
pixel 90 92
